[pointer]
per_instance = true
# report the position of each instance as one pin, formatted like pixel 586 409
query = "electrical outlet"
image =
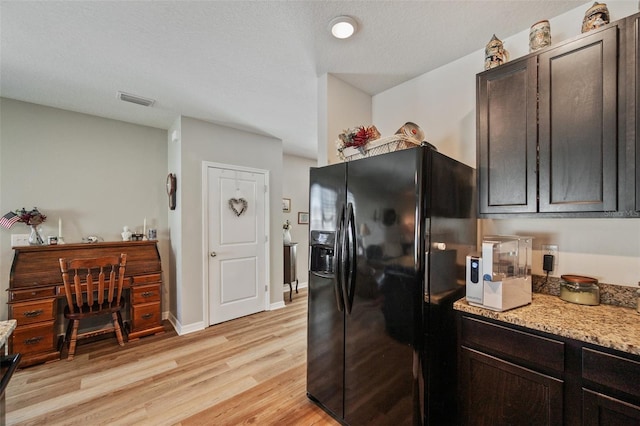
pixel 551 249
pixel 19 240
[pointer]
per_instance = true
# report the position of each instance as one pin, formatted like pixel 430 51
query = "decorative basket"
pixel 378 146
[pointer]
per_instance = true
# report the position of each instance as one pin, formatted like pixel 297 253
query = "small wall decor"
pixel 595 17
pixel 238 205
pixel 303 218
pixel 171 190
pixel 539 35
pixel 286 205
pixel 494 53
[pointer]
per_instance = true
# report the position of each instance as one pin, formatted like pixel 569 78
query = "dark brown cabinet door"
pixel 507 137
pixel 602 410
pixel 496 392
pixel 578 125
pixel 633 80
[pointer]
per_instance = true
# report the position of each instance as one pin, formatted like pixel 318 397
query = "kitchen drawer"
pixel 518 346
pixel 145 293
pixel 151 278
pixel 146 315
pixel 33 312
pixel 30 294
pixel 612 371
pixel 33 338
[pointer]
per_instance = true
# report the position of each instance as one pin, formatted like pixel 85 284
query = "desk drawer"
pixel 151 278
pixel 33 338
pixel 33 312
pixel 146 315
pixel 145 293
pixel 34 293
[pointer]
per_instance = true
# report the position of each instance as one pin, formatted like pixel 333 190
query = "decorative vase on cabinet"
pixel 35 239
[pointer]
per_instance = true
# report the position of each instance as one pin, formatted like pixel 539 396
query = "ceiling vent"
pixel 135 99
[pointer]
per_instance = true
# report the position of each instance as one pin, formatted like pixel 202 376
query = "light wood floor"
pixel 248 371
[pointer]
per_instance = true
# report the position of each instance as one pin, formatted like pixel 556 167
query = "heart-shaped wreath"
pixel 241 203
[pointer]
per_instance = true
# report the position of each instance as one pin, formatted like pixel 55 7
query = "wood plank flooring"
pixel 247 371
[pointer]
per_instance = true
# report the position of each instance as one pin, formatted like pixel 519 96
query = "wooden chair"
pixel 97 290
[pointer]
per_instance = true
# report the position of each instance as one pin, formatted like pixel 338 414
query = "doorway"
pixel 235 241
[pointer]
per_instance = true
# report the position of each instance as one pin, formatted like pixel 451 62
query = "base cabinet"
pixel 603 410
pixel 611 389
pixel 502 393
pixel 509 375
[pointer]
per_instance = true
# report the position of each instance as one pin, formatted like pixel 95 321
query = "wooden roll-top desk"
pixel 36 290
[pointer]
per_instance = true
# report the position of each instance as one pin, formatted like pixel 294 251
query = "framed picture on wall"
pixel 303 218
pixel 286 205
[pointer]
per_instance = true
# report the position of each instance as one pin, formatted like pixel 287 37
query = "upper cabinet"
pixel 577 125
pixel 633 109
pixel 552 138
pixel 507 137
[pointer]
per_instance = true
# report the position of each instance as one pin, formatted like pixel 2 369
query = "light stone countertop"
pixel 6 328
pixel 610 326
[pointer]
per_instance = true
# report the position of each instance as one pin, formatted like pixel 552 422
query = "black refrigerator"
pixel 388 238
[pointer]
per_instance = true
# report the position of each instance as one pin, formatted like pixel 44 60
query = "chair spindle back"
pixel 100 278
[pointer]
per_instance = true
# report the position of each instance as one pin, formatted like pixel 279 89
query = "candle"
pixel 59 227
pixel 144 227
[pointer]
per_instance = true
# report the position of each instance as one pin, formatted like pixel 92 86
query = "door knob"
pixel 213 254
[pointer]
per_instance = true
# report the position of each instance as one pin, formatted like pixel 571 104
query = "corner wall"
pixel 203 141
pixel 295 185
pixel 340 106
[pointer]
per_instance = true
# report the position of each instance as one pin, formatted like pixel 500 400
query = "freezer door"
pixel 383 379
pixel 325 335
pixel 450 237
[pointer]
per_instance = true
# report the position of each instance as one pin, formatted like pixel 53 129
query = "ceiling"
pixel 251 65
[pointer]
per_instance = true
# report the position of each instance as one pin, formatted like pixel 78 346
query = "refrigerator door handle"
pixel 338 264
pixel 350 247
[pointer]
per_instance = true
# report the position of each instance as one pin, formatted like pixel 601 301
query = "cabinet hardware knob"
pixel 214 254
pixel 147 316
pixel 31 314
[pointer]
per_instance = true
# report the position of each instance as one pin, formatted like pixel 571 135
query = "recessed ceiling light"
pixel 343 27
pixel 135 99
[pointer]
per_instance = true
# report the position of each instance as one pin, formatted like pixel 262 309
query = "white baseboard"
pixel 285 287
pixel 191 328
pixel 277 305
pixel 184 329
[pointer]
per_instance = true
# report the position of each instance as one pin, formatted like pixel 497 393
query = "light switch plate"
pixel 19 240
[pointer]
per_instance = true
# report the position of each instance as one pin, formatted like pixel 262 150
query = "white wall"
pixel 442 102
pixel 341 106
pixel 174 162
pixel 97 174
pixel 202 141
pixel 295 185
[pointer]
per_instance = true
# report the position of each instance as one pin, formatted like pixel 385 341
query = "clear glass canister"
pixel 580 290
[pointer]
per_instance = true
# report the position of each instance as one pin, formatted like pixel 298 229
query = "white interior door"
pixel 237 256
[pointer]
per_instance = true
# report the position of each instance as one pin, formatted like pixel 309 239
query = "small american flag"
pixel 9 219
